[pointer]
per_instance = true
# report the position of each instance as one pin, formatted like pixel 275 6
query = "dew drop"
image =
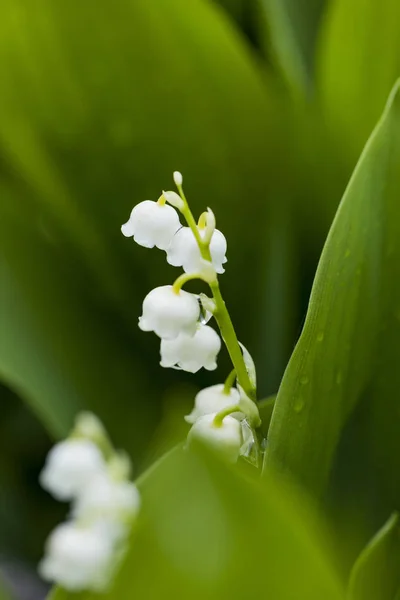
pixel 299 404
pixel 339 377
pixel 304 380
pixel 347 253
pixel 320 336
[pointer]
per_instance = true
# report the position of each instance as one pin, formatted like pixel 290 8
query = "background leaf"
pixel 290 30
pixel 376 572
pixel 206 531
pixel 344 349
pixel 358 63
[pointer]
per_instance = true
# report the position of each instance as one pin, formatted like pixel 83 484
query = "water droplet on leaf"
pixel 299 404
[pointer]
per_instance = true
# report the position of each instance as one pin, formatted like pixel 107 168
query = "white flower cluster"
pixel 169 311
pixel 81 554
pixel 223 417
pixel 227 434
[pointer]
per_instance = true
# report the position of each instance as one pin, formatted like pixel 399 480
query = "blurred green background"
pixel 265 106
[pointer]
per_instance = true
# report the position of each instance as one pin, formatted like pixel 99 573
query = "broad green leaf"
pixel 206 532
pixel 291 28
pixel 95 114
pixel 376 573
pixel 358 63
pixel 350 343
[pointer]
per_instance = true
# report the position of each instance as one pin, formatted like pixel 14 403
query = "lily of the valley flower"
pixel 70 465
pixel 82 554
pixel 211 400
pixel 170 313
pixel 225 438
pixel 184 251
pixel 77 557
pixel 192 353
pixel 106 498
pixel 152 224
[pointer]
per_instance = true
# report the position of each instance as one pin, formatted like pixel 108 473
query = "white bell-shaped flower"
pixel 70 465
pixel 192 353
pixel 152 224
pixel 105 498
pixel 169 313
pixel 184 250
pixel 226 438
pixel 78 558
pixel 212 399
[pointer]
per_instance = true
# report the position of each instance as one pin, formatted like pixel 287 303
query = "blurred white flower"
pixel 169 313
pixel 152 224
pixel 78 558
pixel 70 465
pixel 184 250
pixel 212 399
pixel 82 553
pixel 105 498
pixel 225 439
pixel 192 353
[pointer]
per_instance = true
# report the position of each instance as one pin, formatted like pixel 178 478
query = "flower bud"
pixel 169 313
pixel 178 179
pixel 185 252
pixel 152 224
pixel 69 466
pixel 212 399
pixel 78 558
pixel 225 439
pixel 192 353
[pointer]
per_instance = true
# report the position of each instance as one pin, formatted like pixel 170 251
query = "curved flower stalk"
pixel 225 416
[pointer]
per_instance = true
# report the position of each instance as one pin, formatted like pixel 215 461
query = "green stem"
pixel 221 313
pixel 229 381
pixel 219 417
pixel 228 333
pixel 184 278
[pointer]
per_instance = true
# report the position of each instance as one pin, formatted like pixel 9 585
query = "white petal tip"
pixel 126 230
pixel 211 367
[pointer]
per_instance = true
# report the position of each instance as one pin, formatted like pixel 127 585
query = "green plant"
pixel 265 106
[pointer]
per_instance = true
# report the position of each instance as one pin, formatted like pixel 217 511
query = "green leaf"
pixel 291 27
pixel 95 115
pixel 376 573
pixel 350 343
pixel 208 532
pixel 358 63
pixel 235 8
